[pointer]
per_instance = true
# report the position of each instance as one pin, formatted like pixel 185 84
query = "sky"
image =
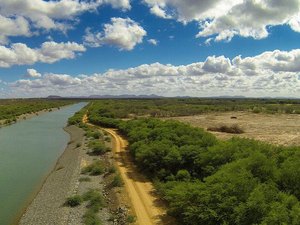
pixel 199 48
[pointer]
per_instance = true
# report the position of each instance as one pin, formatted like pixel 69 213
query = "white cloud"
pixel 47 15
pixel 50 52
pixel 13 27
pixel 153 42
pixel 158 11
pixel 32 73
pixel 123 33
pixel 224 19
pixel 272 74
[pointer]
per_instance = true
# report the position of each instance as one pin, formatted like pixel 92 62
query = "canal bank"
pixel 47 206
pixel 29 151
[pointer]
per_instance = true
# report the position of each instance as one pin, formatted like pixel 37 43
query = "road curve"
pixel 148 207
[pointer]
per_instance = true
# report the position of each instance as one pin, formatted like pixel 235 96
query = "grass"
pixel 111 169
pixel 233 129
pixel 130 219
pixel 107 139
pixel 97 148
pixel 84 179
pixel 117 181
pixel 95 198
pixel 96 202
pixel 73 201
pixel 94 169
pixel 93 134
pixel 90 218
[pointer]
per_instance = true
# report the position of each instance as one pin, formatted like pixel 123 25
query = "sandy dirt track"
pixel 148 207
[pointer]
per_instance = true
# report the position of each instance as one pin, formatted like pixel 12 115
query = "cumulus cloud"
pixel 122 33
pixel 32 73
pixel 46 15
pixel 225 19
pixel 153 42
pixel 273 73
pixel 13 27
pixel 49 52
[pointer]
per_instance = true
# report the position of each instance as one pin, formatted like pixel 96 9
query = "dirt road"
pixel 148 207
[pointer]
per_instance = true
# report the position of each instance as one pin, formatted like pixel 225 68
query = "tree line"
pixel 209 181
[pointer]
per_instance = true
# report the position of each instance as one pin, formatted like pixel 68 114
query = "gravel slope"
pixel 47 207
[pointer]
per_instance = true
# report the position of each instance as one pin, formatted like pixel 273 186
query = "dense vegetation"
pixel 205 180
pixel 185 107
pixel 11 109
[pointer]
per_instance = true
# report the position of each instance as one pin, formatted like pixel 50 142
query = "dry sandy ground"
pixel 149 209
pixel 279 129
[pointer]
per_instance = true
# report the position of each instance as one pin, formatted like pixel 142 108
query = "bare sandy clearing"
pixel 279 129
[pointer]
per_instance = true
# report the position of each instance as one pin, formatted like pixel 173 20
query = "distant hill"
pixel 125 96
pixel 54 96
pixel 108 96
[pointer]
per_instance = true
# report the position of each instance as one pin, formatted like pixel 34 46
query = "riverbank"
pixel 47 206
pixel 27 116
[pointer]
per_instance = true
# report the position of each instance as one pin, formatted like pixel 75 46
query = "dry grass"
pixel 279 129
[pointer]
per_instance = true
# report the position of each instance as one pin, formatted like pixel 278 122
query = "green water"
pixel 28 151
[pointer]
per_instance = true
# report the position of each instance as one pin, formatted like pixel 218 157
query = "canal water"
pixel 28 151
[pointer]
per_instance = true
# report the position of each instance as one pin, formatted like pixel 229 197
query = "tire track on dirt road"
pixel 149 208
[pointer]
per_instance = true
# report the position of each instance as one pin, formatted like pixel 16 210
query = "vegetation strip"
pixel 207 181
pixel 11 110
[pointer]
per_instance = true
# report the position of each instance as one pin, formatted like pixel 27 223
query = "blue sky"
pixel 168 47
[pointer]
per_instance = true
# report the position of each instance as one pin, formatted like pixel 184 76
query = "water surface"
pixel 28 151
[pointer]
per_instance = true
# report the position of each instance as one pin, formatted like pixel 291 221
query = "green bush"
pixel 131 219
pixel 94 169
pixel 74 201
pixel 90 218
pixel 97 148
pixel 111 169
pixel 96 202
pixel 183 175
pixel 117 181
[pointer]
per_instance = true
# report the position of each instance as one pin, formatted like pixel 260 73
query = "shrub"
pixel 84 179
pixel 107 139
pixel 97 148
pixel 73 201
pixel 95 198
pixel 233 129
pixel 130 219
pixel 96 202
pixel 183 175
pixel 112 169
pixel 90 218
pixel 117 181
pixel 94 169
